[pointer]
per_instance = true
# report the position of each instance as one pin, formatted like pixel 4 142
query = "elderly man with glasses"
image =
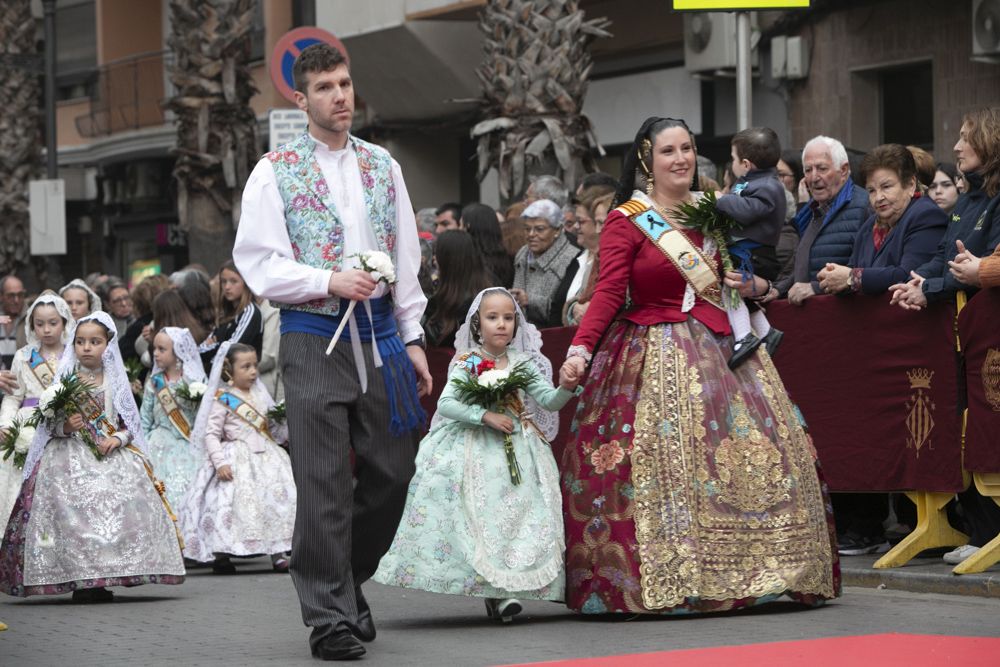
pixel 12 334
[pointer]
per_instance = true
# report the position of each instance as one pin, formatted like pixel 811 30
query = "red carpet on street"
pixel 882 650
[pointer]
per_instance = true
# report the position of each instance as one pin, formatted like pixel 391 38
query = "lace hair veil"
pixel 259 391
pixel 118 399
pixel 92 298
pixel 186 351
pixel 527 341
pixel 56 301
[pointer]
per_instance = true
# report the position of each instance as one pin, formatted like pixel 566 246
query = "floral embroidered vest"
pixel 314 226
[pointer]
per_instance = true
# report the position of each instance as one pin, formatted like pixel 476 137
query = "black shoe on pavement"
pixel 772 340
pixel 365 628
pixel 853 544
pixel 223 566
pixel 743 349
pixel 92 595
pixel 341 645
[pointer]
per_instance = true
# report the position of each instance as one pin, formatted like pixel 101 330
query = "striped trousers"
pixel 342 527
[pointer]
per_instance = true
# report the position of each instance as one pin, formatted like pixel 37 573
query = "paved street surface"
pixel 252 618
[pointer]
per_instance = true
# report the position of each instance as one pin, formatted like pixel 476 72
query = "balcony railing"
pixel 128 95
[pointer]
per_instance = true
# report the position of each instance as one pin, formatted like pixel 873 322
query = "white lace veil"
pixel 186 351
pixel 259 391
pixel 527 341
pixel 95 301
pixel 52 299
pixel 118 399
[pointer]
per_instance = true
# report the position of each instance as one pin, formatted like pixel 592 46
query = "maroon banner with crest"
pixel 979 332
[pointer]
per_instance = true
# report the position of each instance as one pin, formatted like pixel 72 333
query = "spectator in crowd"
pixel 427 273
pixel 480 222
pixel 80 298
pixel 827 224
pixel 269 368
pixel 944 188
pixel 599 178
pixel 426 224
pixel 239 318
pixel 961 183
pixel 120 303
pixel 981 272
pixel 192 284
pixel 447 216
pixel 926 167
pixel 706 170
pixel 976 232
pixel 461 276
pixel 547 187
pixel 902 233
pixel 12 334
pixel 170 310
pixel 142 310
pixel 512 228
pixel 591 213
pixel 978 157
pixel 790 172
pixel 544 267
pixel 728 178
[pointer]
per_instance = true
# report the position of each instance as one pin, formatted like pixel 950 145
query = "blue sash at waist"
pixel 400 380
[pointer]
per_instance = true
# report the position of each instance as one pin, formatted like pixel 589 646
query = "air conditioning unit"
pixel 710 41
pixel 986 30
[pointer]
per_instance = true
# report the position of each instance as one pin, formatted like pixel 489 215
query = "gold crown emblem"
pixel 920 378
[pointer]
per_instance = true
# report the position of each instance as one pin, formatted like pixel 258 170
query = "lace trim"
pixel 579 351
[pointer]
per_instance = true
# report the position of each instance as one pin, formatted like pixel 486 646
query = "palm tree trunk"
pixel 217 142
pixel 20 130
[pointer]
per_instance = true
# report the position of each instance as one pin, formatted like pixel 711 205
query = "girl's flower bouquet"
pixel 63 399
pixel 192 393
pixel 497 390
pixel 379 266
pixel 133 369
pixel 17 441
pixel 277 413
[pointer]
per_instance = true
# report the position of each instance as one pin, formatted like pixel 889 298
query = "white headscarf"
pixel 528 341
pixel 92 298
pixel 118 399
pixel 51 299
pixel 186 351
pixel 258 391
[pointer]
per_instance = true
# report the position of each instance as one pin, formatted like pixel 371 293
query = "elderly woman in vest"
pixel 545 266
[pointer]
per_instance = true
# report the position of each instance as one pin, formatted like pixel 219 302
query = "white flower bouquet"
pixel 192 393
pixel 377 264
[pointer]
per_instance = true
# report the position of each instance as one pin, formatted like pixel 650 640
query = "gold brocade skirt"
pixel 691 487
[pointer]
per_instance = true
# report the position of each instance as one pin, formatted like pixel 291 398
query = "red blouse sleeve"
pixel 620 241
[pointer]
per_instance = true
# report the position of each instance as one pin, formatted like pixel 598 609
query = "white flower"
pixel 46 541
pixel 492 377
pixel 379 265
pixel 197 389
pixel 45 400
pixel 24 438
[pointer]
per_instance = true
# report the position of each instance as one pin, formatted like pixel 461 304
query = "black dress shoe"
pixel 341 645
pixel 772 340
pixel 92 595
pixel 365 628
pixel 743 349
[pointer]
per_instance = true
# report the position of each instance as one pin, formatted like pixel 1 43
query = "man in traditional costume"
pixel 309 209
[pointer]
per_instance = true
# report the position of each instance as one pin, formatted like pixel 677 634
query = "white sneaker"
pixel 960 554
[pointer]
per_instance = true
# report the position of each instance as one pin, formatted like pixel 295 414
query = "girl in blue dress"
pixel 467 529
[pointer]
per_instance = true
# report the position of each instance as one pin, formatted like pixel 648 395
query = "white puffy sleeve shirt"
pixel 263 252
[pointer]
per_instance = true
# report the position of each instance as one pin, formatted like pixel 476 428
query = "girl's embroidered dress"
pixel 168 420
pixel 690 487
pixel 254 513
pixel 34 374
pixel 83 522
pixel 466 528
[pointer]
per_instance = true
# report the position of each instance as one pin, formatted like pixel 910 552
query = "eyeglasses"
pixel 785 174
pixel 538 230
pixel 122 299
pixel 14 295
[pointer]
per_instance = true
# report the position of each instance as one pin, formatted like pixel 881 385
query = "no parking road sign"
pixel 288 49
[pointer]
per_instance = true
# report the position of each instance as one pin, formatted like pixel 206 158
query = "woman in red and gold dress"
pixel 690 487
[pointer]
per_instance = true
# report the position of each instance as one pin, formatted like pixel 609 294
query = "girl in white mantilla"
pixel 48 327
pixel 167 416
pixel 467 528
pixel 242 502
pixel 82 522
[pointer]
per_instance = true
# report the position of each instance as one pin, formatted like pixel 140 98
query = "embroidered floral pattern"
pixel 314 227
pixel 609 455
